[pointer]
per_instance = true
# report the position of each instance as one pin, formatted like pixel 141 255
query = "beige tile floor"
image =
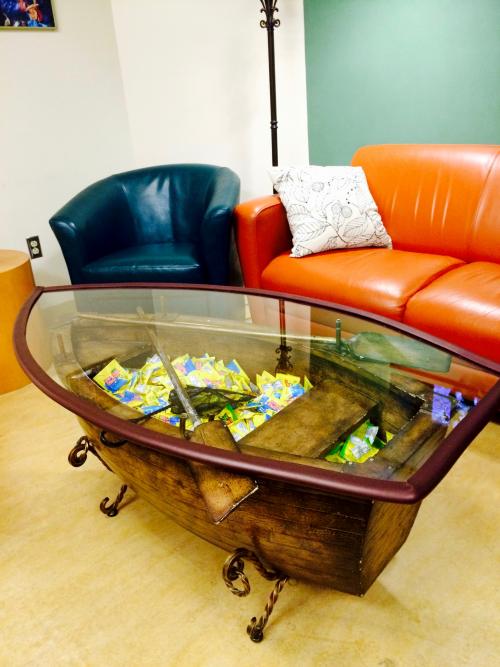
pixel 80 589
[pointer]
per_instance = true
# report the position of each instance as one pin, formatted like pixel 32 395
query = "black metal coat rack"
pixel 270 23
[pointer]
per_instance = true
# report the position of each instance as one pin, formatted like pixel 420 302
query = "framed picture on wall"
pixel 26 14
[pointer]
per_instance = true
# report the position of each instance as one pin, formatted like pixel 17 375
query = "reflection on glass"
pixel 290 382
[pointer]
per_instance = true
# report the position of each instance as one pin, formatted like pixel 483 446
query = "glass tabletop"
pixel 304 391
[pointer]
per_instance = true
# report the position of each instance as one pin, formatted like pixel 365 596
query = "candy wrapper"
pixel 113 377
pixel 361 445
pixel 276 392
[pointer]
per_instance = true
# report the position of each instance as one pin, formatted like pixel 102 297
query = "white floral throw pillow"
pixel 329 208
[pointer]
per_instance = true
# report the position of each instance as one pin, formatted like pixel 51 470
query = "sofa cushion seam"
pixel 430 281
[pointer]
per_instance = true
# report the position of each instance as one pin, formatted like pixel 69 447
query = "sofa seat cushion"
pixel 463 307
pixel 154 262
pixel 378 280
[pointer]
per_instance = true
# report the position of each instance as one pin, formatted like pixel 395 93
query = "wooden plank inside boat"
pixel 314 422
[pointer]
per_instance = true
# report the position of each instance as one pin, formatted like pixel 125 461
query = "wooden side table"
pixel 16 284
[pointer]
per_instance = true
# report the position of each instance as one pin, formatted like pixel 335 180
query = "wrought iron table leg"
pixel 233 571
pixel 112 510
pixel 78 455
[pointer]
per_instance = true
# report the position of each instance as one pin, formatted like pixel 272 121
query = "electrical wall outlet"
pixel 34 247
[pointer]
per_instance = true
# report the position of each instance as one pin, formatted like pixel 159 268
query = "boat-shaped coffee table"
pixel 293 433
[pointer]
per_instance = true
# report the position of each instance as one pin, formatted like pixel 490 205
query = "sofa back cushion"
pixel 437 198
pixel 484 238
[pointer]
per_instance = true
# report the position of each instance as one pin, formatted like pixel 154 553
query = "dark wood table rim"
pixel 411 491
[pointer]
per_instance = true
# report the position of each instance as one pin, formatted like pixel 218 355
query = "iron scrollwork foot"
pixel 78 455
pixel 112 510
pixel 233 571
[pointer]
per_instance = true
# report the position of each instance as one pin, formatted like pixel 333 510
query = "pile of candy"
pixel 274 394
pixel 361 445
pixel 148 389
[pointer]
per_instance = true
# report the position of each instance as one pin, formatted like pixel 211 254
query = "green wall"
pixel 400 71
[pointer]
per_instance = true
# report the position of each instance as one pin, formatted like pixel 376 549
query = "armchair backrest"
pixel 168 202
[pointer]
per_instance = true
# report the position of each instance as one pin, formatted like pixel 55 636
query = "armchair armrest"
pixel 262 233
pixel 216 227
pixel 96 222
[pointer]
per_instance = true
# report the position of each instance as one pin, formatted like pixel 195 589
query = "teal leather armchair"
pixel 170 223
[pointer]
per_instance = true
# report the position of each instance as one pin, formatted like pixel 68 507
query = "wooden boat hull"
pixel 325 539
pixel 328 539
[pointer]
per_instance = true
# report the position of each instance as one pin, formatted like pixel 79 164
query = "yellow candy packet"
pixel 267 377
pixel 259 419
pixel 358 451
pixel 288 379
pixel 153 367
pixel 243 413
pixel 228 415
pixel 234 366
pixel 239 429
pixel 179 362
pixel 195 379
pixel 132 399
pixel 358 447
pixel 112 377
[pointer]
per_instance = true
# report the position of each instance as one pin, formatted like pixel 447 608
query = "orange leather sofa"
pixel 441 206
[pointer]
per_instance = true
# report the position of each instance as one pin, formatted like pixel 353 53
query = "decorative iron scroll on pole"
pixel 284 364
pixel 269 8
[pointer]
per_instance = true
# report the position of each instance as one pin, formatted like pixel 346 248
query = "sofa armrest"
pixel 94 223
pixel 262 233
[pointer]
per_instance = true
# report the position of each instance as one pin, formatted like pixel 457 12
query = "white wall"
pixel 63 123
pixel 196 84
pixel 122 84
